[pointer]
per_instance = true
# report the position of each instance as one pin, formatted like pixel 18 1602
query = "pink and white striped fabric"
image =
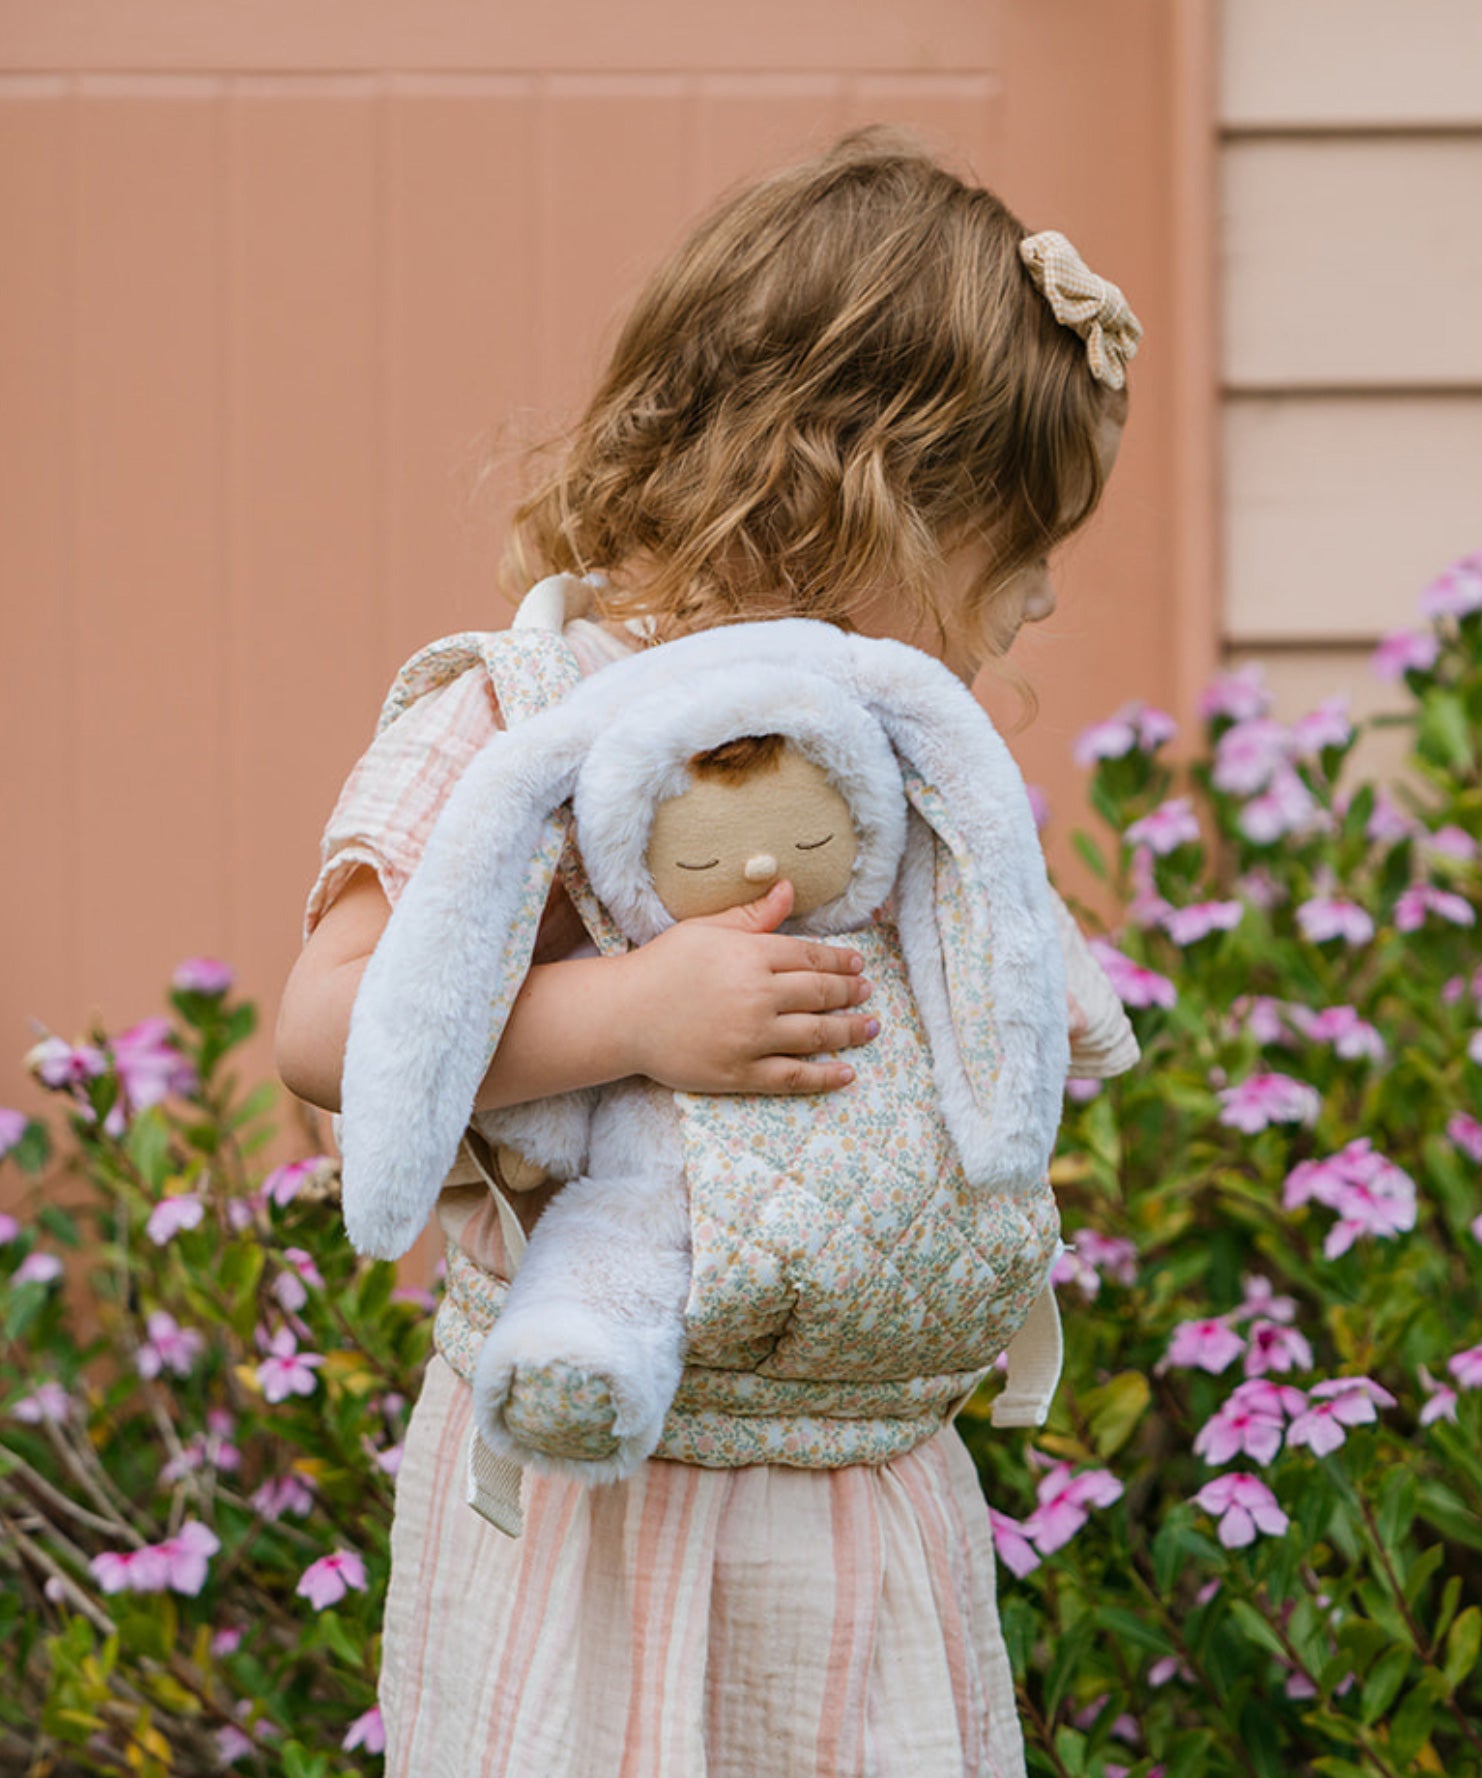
pixel 690 1623
pixel 694 1623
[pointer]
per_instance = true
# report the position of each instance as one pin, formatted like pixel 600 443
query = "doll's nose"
pixel 760 869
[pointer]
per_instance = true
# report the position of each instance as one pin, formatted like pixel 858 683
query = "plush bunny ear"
pixel 437 991
pixel 976 924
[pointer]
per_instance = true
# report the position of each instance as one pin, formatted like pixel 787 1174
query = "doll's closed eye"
pixel 812 845
pixel 711 866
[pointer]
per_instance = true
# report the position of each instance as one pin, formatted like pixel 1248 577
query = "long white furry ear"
pixel 436 994
pixel 976 921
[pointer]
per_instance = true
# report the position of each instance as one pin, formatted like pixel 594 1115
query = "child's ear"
pixel 437 992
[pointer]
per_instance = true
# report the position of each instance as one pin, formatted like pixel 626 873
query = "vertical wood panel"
pixel 148 640
pixel 39 889
pixel 308 595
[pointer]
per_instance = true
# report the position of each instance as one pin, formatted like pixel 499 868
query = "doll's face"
pixel 719 844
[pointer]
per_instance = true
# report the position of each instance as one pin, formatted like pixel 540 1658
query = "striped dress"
pixel 763 1622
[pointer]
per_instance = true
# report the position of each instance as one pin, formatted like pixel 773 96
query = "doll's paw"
pixel 558 1410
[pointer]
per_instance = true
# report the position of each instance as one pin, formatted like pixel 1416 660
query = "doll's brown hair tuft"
pixel 845 371
pixel 733 762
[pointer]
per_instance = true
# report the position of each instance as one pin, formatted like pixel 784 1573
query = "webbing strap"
pixel 493 1483
pixel 1035 1356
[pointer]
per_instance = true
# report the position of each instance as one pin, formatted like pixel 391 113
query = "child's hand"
pixel 725 1004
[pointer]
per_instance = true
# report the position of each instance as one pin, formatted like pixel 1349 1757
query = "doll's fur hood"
pixel 458 942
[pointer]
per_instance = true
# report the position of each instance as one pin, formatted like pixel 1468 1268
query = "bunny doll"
pixel 716 1262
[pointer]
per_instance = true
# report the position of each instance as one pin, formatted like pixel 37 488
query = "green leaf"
pixel 57 1223
pixel 1462 1646
pixel 258 1103
pixel 1382 1686
pixel 331 1630
pixel 33 1151
pixel 1444 737
pixel 1189 1758
pixel 1091 854
pixel 1126 1626
pixel 148 1147
pixel 1256 1628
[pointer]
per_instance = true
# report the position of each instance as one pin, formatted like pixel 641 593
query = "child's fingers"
pixel 803 1034
pixel 803 990
pixel 786 954
pixel 791 1074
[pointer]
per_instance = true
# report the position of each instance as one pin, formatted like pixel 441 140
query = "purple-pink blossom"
pixel 171 1215
pixel 299 1271
pixel 1449 841
pixel 1187 925
pixel 203 975
pixel 167 1346
pixel 47 1402
pixel 327 1581
pixel 288 1493
pixel 178 1564
pixel 1135 985
pixel 287 1371
pixel 1260 888
pixel 10 1229
pixel 1421 899
pixel 1264 1018
pixel 1065 1502
pixel 1014 1549
pixel 12 1128
pixel 1275 1347
pixel 1352 1037
pixel 1240 1428
pixel 1243 1505
pixel 284 1183
pixel 64 1066
pixel 1147 906
pixel 149 1066
pixel 1329 725
pixel 367 1731
pixel 1402 652
pixel 1114 1256
pixel 37 1268
pixel 1169 826
pixel 1211 1345
pixel 1388 822
pixel 1456 592
pixel 1285 806
pixel 1263 1099
pixel 1136 726
pixel 1260 1300
pixel 1474 1047
pixel 1466 1133
pixel 1440 1399
pixel 1240 695
pixel 1466 1367
pixel 1327 917
pixel 1370 1193
pixel 1333 1407
pixel 1246 756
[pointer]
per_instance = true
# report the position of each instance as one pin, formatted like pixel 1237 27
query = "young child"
pixel 859 392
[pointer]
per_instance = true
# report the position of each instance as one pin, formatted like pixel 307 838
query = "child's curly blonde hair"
pixel 842 375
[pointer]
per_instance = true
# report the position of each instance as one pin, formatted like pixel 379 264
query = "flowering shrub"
pixel 1273 1298
pixel 196 1460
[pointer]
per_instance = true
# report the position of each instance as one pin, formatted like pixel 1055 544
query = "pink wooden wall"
pixel 276 280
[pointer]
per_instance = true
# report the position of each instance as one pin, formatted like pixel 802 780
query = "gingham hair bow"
pixel 1089 305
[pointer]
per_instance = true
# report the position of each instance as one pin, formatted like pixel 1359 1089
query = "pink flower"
pixel 1273 1400
pixel 1264 1018
pixel 47 1402
pixel 37 1268
pixel 1113 1256
pixel 1082 1092
pixel 168 1346
pixel 1351 1037
pixel 1211 1345
pixel 288 1286
pixel 1241 695
pixel 1247 756
pixel 1334 1406
pixel 1466 1133
pixel 1388 822
pixel 1244 1505
pixel 171 1215
pixel 1147 906
pixel 149 1066
pixel 10 1229
pixel 1169 1668
pixel 366 1731
pixel 57 1064
pixel 288 1493
pixel 1239 1428
pixel 1402 652
pixel 203 975
pixel 231 1744
pixel 1371 1194
pixel 1424 898
pixel 1326 726
pixel 1065 1503
pixel 1260 888
pixel 226 1642
pixel 1039 806
pixel 387 1459
pixel 1135 985
pixel 1285 806
pixel 326 1581
pixel 1328 917
pixel 1474 1047
pixel 1261 1299
pixel 1275 1348
pixel 287 1371
pixel 1265 1099
pixel 186 1556
pixel 12 1128
pixel 1449 841
pixel 1171 825
pixel 1187 925
pixel 1466 1367
pixel 1135 726
pixel 1456 592
pixel 284 1184
pixel 1014 1549
pixel 1070 1268
pixel 1441 1402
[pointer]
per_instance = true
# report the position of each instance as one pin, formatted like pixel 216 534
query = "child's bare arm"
pixel 722 1004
